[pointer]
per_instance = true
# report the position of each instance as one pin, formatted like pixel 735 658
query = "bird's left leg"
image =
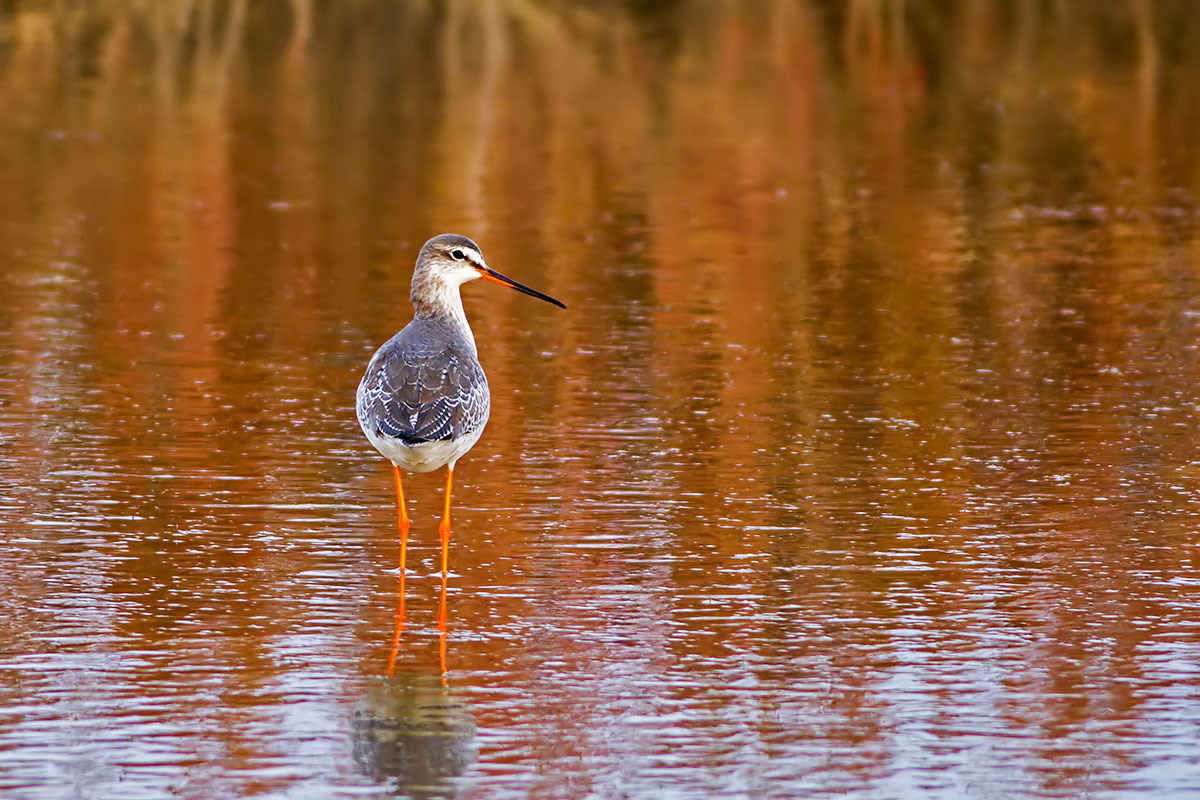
pixel 403 519
pixel 444 528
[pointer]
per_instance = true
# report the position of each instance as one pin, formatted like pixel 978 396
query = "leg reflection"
pixel 399 629
pixel 409 730
pixel 442 630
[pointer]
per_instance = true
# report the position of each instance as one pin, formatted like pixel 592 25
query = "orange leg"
pixel 444 528
pixel 403 520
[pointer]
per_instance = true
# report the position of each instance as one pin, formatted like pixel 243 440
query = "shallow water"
pixel 862 463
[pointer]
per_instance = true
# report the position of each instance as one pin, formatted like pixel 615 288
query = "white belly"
pixel 426 456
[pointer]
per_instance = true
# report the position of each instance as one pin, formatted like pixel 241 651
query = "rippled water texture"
pixel 864 461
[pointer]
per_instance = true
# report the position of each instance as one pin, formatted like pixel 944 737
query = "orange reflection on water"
pixel 401 619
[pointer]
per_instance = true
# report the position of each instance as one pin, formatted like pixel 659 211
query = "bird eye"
pixel 458 255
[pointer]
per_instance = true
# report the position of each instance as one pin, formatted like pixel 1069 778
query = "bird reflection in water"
pixel 410 732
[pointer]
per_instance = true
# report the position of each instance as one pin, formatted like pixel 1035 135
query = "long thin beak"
pixel 489 274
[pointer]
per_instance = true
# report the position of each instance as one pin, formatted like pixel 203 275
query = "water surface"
pixel 863 463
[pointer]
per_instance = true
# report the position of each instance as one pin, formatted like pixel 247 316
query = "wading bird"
pixel 424 399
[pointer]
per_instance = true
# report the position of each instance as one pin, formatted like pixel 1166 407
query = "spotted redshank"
pixel 424 399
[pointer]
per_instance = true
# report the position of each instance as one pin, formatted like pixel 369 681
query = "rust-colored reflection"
pixel 442 628
pixel 401 619
pixel 864 462
pixel 398 630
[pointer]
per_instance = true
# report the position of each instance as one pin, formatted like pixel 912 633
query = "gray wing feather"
pixel 423 386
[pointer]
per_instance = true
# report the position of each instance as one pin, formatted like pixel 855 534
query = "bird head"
pixel 448 261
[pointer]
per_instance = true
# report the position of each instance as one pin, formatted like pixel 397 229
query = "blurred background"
pixel 862 463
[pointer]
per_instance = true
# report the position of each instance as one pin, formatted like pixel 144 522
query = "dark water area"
pixel 863 463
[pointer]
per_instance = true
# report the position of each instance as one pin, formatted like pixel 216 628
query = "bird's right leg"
pixel 403 519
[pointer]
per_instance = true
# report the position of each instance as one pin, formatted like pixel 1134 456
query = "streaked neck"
pixel 441 302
